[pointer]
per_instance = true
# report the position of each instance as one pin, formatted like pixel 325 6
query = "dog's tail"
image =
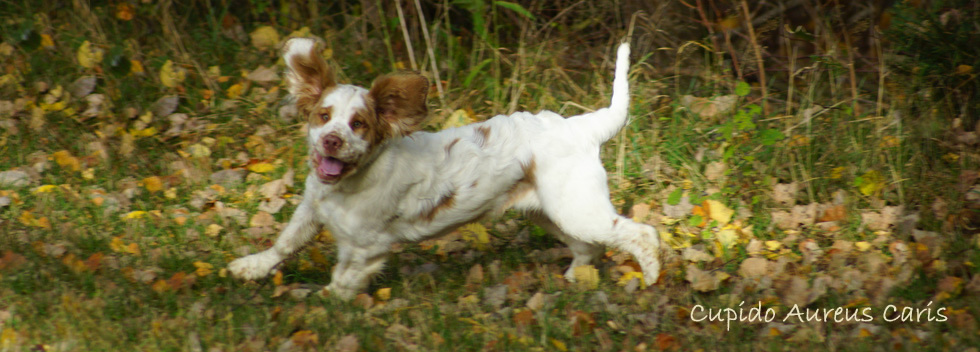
pixel 604 123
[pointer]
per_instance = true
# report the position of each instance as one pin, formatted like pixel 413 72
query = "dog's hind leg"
pixel 298 232
pixel 579 205
pixel 584 253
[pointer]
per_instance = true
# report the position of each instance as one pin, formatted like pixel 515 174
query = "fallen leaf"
pixel 262 219
pixel 383 294
pixel 754 268
pixel 348 343
pixel 171 75
pixel 704 281
pixel 718 211
pixel 785 193
pixel 265 37
pixel 88 55
pixel 586 277
pixel 263 74
pixel 203 269
pixel 262 167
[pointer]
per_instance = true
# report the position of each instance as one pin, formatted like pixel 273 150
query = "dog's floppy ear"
pixel 399 100
pixel 309 75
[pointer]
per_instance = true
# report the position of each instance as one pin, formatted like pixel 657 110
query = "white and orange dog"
pixel 376 180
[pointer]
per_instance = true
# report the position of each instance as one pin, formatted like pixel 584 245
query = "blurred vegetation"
pixel 812 152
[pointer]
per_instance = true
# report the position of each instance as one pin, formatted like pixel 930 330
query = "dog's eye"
pixel 356 124
pixel 325 117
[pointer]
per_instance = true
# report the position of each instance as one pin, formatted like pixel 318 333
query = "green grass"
pixel 81 269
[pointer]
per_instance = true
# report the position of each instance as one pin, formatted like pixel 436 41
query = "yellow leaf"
pixel 837 172
pixel 717 211
pixel 171 76
pixel 203 269
pixel 862 246
pixel 136 67
pixel 117 245
pixel 213 230
pixel 383 294
pixel 774 332
pixel 88 55
pixel 136 214
pixel 261 168
pixel 153 184
pixel 864 333
pixel 300 33
pixel 586 277
pixel 161 286
pixel 199 151
pixel 871 182
pixel 559 345
pixel 44 189
pixel 9 339
pixel 64 159
pixel 317 257
pixel 235 91
pixel 125 11
pixel 476 235
pixel 170 193
pixel 46 41
pixel 626 278
pixel 773 245
pixel 265 37
pixel 461 117
pixel 964 69
pixel 727 237
pixel 132 248
pixel 88 174
pixel 277 278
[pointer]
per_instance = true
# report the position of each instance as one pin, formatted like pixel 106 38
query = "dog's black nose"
pixel 331 143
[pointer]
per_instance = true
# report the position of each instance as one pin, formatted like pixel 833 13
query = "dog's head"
pixel 346 122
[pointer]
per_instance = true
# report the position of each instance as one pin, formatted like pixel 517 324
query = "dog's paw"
pixel 334 290
pixel 255 266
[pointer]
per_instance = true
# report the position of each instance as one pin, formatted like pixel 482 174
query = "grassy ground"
pixel 120 206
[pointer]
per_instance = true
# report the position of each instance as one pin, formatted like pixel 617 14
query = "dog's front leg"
pixel 356 265
pixel 297 233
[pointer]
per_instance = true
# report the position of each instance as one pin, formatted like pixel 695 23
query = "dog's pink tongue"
pixel 330 166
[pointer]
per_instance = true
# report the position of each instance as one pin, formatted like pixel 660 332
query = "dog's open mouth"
pixel 328 168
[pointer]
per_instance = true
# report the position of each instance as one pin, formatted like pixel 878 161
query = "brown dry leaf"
pixel 696 255
pixel 11 260
pixel 82 86
pixel 709 108
pixel 165 106
pixel 785 193
pixel 474 278
pixel 304 338
pixel 811 251
pixel 641 212
pixel 582 323
pixel 834 213
pixel 715 171
pixel 883 220
pixel 682 209
pixel 363 300
pixel 666 342
pixel 263 74
pixel 262 219
pixel 754 268
pixel 348 343
pixel 704 281
pixel 273 189
pixel 524 318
